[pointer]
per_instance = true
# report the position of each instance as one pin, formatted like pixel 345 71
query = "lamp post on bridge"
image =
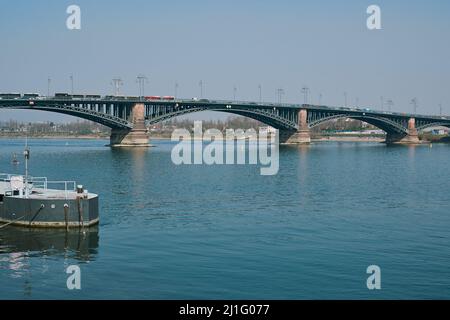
pixel 414 104
pixel 117 83
pixel 305 91
pixel 280 93
pixel 440 109
pixel 200 83
pixel 141 80
pixel 71 83
pixel 234 93
pixel 49 80
pixel 345 99
pixel 389 104
pixel 176 89
pixel 260 93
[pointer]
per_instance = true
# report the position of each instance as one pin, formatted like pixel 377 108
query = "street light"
pixel 71 83
pixel 117 83
pixel 234 93
pixel 141 80
pixel 280 92
pixel 260 93
pixel 414 104
pixel 390 104
pixel 48 86
pixel 305 91
pixel 176 89
pixel 200 83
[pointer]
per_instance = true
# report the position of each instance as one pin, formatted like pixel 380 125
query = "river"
pixel 227 232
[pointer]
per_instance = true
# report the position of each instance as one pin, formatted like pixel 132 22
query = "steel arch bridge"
pixel 119 113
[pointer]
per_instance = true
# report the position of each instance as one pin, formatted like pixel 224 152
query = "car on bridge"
pixel 152 98
pixel 93 96
pixel 30 96
pixel 62 95
pixel 10 96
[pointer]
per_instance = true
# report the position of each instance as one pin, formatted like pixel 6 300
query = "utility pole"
pixel 260 93
pixel 141 80
pixel 414 103
pixel 71 83
pixel 48 86
pixel 390 104
pixel 200 83
pixel 305 91
pixel 280 93
pixel 117 83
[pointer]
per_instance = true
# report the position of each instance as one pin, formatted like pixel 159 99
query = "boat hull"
pixel 50 213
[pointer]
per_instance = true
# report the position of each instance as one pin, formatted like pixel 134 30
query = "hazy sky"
pixel 278 44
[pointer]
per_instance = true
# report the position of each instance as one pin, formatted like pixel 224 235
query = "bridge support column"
pixel 412 137
pixel 302 135
pixel 136 137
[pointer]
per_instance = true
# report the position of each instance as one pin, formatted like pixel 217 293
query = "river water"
pixel 227 232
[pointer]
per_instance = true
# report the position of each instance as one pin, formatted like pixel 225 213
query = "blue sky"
pixel 278 44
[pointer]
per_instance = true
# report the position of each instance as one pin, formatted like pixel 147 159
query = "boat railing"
pixel 43 183
pixel 65 186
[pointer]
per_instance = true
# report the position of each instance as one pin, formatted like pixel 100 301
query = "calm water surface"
pixel 188 232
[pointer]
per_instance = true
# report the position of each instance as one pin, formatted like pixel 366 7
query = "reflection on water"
pixel 19 246
pixel 19 243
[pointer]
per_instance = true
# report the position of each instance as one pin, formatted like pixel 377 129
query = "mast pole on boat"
pixel 26 153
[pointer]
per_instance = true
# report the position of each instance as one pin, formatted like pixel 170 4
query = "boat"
pixel 29 201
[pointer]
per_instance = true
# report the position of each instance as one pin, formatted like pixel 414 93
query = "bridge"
pixel 128 117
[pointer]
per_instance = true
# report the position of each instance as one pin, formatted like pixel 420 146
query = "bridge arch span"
pixel 94 116
pixel 266 117
pixel 387 125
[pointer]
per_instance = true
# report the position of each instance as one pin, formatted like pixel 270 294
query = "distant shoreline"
pixel 164 137
pixel 314 138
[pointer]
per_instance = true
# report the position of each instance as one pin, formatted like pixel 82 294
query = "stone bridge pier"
pixel 302 135
pixel 412 137
pixel 136 137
